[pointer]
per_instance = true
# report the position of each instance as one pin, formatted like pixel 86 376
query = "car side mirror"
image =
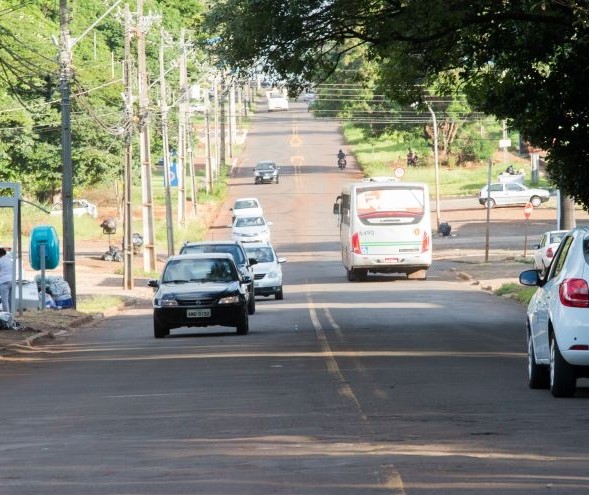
pixel 152 282
pixel 531 278
pixel 253 261
pixel 269 223
pixel 336 208
pixel 246 279
pixel 281 260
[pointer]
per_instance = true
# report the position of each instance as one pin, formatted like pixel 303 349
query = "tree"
pixel 525 61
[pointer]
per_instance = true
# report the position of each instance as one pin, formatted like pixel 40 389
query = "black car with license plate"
pixel 200 290
pixel 266 171
pixel 235 249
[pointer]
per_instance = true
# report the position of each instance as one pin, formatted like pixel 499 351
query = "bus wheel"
pixel 417 275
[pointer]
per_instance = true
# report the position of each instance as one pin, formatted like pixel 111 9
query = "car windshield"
pixel 231 249
pixel 249 222
pixel 262 254
pixel 265 166
pixel 191 270
pixel 239 205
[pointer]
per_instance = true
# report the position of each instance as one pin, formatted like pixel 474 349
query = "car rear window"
pixel 231 249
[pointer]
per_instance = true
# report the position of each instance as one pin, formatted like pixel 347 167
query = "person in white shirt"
pixel 5 279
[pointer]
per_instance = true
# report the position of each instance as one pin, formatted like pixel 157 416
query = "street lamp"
pixel 436 165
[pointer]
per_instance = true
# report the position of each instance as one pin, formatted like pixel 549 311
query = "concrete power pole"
pixel 144 144
pixel 166 146
pixel 128 164
pixel 181 166
pixel 65 56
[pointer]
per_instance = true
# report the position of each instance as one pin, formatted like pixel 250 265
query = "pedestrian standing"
pixel 5 280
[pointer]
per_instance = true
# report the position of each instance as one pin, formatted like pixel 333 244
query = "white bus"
pixel 385 227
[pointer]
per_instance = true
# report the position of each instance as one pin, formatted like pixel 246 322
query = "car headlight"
pixel 166 303
pixel 229 300
pixel 272 275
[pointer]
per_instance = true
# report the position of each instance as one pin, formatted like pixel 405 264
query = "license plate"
pixel 391 260
pixel 198 313
pixel 267 176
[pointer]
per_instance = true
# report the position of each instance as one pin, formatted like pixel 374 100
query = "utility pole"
pixel 222 124
pixel 166 146
pixel 181 166
pixel 128 164
pixel 65 59
pixel 144 144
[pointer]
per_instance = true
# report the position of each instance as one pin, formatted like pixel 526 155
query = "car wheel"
pixel 277 180
pixel 251 304
pixel 536 201
pixel 279 296
pixel 417 275
pixel 351 275
pixel 538 375
pixel 489 203
pixel 563 381
pixel 243 324
pixel 159 332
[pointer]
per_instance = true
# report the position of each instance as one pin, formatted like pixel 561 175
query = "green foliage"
pixel 522 60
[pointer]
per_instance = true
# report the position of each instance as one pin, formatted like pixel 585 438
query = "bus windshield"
pixel 390 205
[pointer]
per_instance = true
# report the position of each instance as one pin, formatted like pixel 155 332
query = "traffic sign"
pixel 399 172
pixel 528 210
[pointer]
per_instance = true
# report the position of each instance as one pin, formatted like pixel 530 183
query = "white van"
pixel 385 227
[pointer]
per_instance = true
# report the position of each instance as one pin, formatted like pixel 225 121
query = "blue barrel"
pixel 44 235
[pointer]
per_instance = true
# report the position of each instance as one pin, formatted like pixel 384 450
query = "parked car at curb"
pixel 546 249
pixel 251 229
pixel 558 318
pixel 235 249
pixel 200 290
pixel 266 171
pixel 267 271
pixel 512 194
pixel 80 207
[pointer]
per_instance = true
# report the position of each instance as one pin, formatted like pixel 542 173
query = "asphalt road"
pixel 388 386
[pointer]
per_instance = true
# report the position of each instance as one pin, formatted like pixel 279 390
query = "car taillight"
pixel 425 242
pixel 574 292
pixel 549 253
pixel 356 243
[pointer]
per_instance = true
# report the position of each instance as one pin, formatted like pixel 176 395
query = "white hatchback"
pixel 546 248
pixel 251 229
pixel 267 270
pixel 246 207
pixel 512 194
pixel 558 318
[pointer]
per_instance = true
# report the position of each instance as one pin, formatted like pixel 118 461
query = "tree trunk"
pixel 566 210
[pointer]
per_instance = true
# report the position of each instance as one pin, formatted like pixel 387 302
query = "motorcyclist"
pixel 341 159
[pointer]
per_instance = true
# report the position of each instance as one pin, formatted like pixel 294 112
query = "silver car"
pixel 512 194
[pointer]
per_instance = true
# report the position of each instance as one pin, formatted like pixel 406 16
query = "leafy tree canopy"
pixel 526 61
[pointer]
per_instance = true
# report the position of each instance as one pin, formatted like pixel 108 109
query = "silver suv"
pixel 234 248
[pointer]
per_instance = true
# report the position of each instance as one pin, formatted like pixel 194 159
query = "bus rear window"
pixel 390 205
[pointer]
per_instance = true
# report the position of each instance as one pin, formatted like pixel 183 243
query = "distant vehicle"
pixel 557 320
pixel 266 171
pixel 385 227
pixel 512 194
pixel 246 207
pixel 546 249
pixel 251 229
pixel 80 207
pixel 277 101
pixel 267 270
pixel 235 249
pixel 200 290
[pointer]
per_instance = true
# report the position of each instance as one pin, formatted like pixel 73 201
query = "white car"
pixel 546 248
pixel 267 271
pixel 277 101
pixel 558 318
pixel 251 229
pixel 80 207
pixel 246 207
pixel 512 194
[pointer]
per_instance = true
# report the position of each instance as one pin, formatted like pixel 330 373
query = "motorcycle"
pixel 341 163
